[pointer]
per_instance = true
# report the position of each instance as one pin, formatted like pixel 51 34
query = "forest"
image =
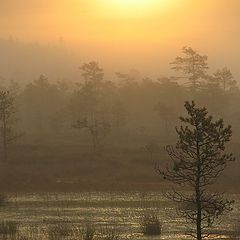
pixel 101 134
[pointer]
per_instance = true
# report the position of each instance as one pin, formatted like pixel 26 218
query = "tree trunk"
pixel 199 214
pixel 198 198
pixel 4 138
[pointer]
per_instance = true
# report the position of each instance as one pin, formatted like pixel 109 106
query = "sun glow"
pixel 134 7
pixel 133 3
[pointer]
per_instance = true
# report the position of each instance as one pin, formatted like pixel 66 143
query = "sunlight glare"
pixel 134 7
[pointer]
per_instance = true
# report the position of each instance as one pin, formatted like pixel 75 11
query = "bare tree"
pixel 197 160
pixel 7 111
pixel 193 65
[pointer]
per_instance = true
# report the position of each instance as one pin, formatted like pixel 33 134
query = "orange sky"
pixel 112 30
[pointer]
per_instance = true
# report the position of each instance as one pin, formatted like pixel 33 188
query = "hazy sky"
pixel 145 34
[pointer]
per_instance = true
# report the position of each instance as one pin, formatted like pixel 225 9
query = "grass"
pixel 150 224
pixel 65 164
pixel 8 228
pixel 31 233
pixel 3 200
pixel 110 233
pixel 235 235
pixel 88 231
pixel 59 231
pixel 62 168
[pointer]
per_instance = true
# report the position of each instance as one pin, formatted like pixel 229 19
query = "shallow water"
pixel 36 212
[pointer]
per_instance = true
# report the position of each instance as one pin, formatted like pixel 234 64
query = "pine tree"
pixel 197 160
pixel 193 65
pixel 7 111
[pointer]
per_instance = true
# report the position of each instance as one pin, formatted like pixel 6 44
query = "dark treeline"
pixel 127 118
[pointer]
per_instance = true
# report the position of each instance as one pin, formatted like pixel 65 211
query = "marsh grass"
pixel 110 233
pixel 150 224
pixel 8 228
pixel 235 235
pixel 59 231
pixel 88 231
pixel 3 200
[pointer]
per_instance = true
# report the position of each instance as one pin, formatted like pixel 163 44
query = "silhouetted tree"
pixel 152 148
pixel 91 72
pixel 197 160
pixel 89 95
pixel 7 111
pixel 40 101
pixel 91 103
pixel 193 65
pixel 128 79
pixel 225 79
pixel 97 129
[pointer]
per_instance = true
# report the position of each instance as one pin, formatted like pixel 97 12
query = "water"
pixel 122 210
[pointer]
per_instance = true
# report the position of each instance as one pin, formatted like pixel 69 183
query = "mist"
pixel 119 119
pixel 81 32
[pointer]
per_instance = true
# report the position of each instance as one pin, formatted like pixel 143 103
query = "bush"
pixel 8 228
pixel 151 225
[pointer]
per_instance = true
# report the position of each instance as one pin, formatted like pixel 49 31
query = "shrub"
pixel 150 224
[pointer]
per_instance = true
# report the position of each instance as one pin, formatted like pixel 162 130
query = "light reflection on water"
pixel 123 210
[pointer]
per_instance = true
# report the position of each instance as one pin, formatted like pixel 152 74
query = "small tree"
pixel 193 65
pixel 91 72
pixel 225 79
pixel 89 95
pixel 151 149
pixel 91 102
pixel 97 129
pixel 197 160
pixel 7 111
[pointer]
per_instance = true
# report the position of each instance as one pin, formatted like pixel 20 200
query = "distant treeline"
pixel 63 122
pixel 144 107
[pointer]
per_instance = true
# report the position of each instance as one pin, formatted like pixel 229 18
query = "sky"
pixel 141 34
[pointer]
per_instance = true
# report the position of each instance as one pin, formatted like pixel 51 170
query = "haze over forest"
pixel 119 119
pixel 95 88
pixel 55 37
